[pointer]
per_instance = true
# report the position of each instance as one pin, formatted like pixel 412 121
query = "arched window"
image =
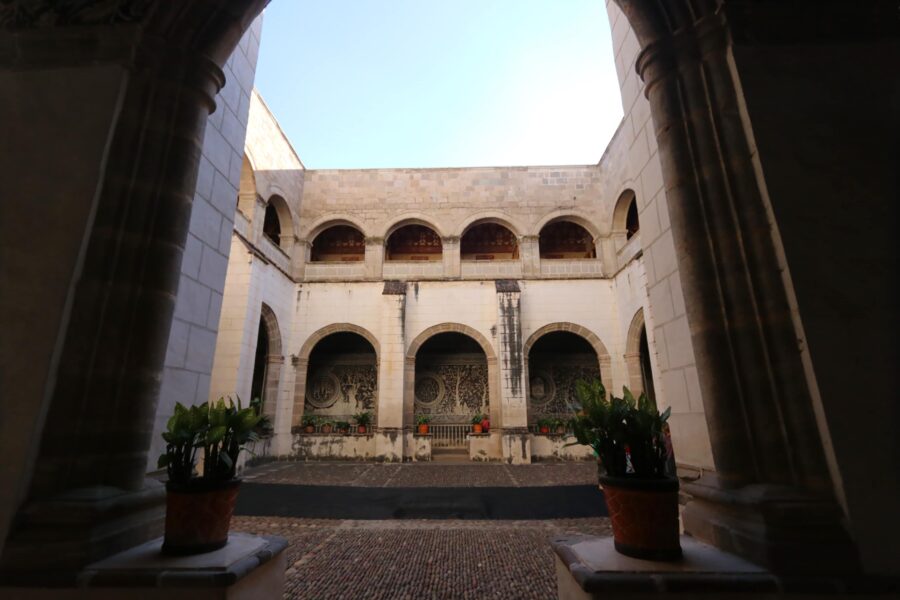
pixel 272 224
pixel 342 378
pixel 631 220
pixel 565 239
pixel 489 241
pixel 556 361
pixel 413 242
pixel 339 243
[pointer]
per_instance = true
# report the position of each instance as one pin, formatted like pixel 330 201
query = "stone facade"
pixel 336 268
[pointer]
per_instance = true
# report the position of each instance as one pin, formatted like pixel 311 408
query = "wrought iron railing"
pixel 447 435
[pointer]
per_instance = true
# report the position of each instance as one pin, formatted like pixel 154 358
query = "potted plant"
pixel 485 424
pixel 309 424
pixel 343 427
pixel 199 507
pixel 544 426
pixel 627 435
pixel 362 419
pixel 559 426
pixel 476 423
pixel 327 426
pixel 422 421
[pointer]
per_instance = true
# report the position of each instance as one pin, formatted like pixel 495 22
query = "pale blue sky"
pixel 429 83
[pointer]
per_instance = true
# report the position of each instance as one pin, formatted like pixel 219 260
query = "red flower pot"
pixel 485 425
pixel 309 429
pixel 545 430
pixel 360 429
pixel 198 515
pixel 423 429
pixel 644 515
pixel 476 428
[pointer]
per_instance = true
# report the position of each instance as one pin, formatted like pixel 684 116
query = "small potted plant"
pixel 199 507
pixel 422 421
pixel 559 426
pixel 327 426
pixel 628 437
pixel 476 423
pixel 309 424
pixel 485 424
pixel 343 427
pixel 362 420
pixel 544 426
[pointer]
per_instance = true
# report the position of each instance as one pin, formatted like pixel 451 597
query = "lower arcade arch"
pixel 338 379
pixel 267 362
pixel 557 360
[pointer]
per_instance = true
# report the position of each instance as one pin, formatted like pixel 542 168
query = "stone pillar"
pixel 450 255
pixel 391 425
pixel 256 220
pixel 513 417
pixel 635 377
pixel 606 252
pixel 771 498
pixel 374 257
pixel 300 258
pixel 272 386
pixel 530 252
pixel 88 497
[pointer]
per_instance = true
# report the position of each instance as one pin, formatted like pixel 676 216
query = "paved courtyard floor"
pixel 420 558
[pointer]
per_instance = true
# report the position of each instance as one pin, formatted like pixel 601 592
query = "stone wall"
pixel 192 340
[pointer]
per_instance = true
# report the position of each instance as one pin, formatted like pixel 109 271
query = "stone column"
pixel 771 499
pixel 391 425
pixel 88 497
pixel 606 252
pixel 256 220
pixel 513 417
pixel 530 252
pixel 450 255
pixel 374 257
pixel 300 258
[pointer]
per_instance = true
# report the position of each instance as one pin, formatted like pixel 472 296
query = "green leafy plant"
pixel 626 434
pixel 342 425
pixel 230 428
pixel 222 429
pixel 545 422
pixel 325 422
pixel 264 427
pixel 310 421
pixel 184 435
pixel 423 419
pixel 477 419
pixel 362 418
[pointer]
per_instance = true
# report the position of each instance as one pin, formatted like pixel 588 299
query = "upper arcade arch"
pixel 624 218
pixel 338 243
pixel 563 238
pixel 247 190
pixel 490 216
pixel 413 218
pixel 319 225
pixel 488 240
pixel 413 241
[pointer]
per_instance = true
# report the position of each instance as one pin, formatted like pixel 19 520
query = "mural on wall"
pixel 451 392
pixel 551 389
pixel 338 391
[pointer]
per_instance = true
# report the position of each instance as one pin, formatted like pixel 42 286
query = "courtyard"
pixel 421 557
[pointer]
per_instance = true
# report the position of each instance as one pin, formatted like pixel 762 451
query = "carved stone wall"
pixel 451 389
pixel 338 389
pixel 551 385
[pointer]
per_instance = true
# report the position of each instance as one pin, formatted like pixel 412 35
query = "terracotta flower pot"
pixel 544 429
pixel 476 428
pixel 561 429
pixel 644 515
pixel 198 516
pixel 360 429
pixel 309 429
pixel 423 429
pixel 326 428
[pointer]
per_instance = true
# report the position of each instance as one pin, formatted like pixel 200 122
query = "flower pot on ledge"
pixel 423 429
pixel 476 428
pixel 644 515
pixel 198 515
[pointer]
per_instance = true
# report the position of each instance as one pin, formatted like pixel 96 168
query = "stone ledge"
pixel 590 567
pixel 146 566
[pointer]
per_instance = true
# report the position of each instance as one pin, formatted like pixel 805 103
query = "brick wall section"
pixel 192 340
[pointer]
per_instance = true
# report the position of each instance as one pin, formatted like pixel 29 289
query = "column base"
pixel 53 539
pixel 247 567
pixel 516 445
pixel 778 527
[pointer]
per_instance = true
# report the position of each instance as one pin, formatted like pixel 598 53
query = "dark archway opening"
pixel 342 378
pixel 565 239
pixel 646 370
pixel 272 224
pixel 340 243
pixel 489 241
pixel 556 362
pixel 260 364
pixel 632 225
pixel 413 242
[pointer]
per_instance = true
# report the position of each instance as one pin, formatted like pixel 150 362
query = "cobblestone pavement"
pixel 345 560
pixel 424 474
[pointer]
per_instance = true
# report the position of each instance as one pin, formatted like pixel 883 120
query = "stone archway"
pixel 637 359
pixel 604 360
pixel 493 371
pixel 301 362
pixel 268 362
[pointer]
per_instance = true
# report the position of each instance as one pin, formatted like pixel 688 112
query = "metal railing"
pixel 444 435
